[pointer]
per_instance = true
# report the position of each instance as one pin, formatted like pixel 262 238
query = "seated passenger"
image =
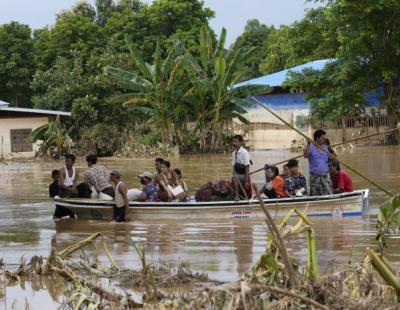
pixel 274 185
pixel 295 183
pixel 341 181
pixel 182 181
pixel 60 211
pixel 97 178
pixel 149 192
pixel 68 178
pixel 168 183
pixel 285 171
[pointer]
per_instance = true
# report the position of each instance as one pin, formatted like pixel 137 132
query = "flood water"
pixel 223 249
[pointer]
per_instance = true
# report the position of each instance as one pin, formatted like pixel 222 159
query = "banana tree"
pixel 52 134
pixel 154 89
pixel 213 79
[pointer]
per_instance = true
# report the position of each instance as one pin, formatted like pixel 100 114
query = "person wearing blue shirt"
pixel 320 181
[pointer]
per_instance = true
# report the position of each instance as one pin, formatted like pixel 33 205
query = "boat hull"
pixel 346 204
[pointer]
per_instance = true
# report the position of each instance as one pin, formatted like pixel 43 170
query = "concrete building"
pixel 266 132
pixel 15 126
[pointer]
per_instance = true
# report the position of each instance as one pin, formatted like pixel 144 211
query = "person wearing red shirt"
pixel 341 181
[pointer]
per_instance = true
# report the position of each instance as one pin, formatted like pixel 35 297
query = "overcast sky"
pixel 231 14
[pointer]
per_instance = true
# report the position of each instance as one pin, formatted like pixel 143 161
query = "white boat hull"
pixel 345 204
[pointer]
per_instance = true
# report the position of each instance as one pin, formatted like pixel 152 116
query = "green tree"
pixel 372 43
pixel 312 38
pixel 75 31
pixel 52 134
pixel 16 63
pixel 253 37
pixel 154 89
pixel 213 79
pixel 367 60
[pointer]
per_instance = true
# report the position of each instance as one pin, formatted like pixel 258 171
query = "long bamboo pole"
pixel 336 144
pixel 321 148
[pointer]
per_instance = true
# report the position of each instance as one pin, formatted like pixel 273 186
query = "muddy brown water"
pixel 223 249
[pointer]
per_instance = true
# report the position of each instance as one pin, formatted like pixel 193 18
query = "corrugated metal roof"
pixel 281 102
pixel 276 79
pixel 34 111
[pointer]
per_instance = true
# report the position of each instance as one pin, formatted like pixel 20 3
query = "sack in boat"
pixel 239 168
pixel 217 190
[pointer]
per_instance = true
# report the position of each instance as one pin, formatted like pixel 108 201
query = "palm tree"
pixel 52 134
pixel 213 80
pixel 154 89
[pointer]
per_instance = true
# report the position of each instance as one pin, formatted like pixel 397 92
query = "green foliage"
pixel 367 61
pixel 52 134
pixel 253 38
pixel 388 220
pixel 213 79
pixel 16 63
pixel 102 139
pixel 312 38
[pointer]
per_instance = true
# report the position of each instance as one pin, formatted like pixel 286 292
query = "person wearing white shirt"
pixel 241 165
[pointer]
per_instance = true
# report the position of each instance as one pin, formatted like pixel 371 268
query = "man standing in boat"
pixel 97 178
pixel 241 168
pixel 320 181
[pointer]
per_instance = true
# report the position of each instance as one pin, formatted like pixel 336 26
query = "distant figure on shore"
pixel 341 181
pixel 274 183
pixel 121 207
pixel 69 178
pixel 285 171
pixel 320 181
pixel 97 178
pixel 241 169
pixel 295 183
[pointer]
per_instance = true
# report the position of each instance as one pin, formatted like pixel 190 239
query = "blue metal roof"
pixel 276 79
pixel 280 102
pixel 298 101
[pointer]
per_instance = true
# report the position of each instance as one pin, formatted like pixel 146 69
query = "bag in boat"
pixel 178 192
pixel 240 168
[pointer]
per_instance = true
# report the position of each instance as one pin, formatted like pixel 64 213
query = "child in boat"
pixel 149 191
pixel 182 181
pixel 285 171
pixel 295 183
pixel 274 186
pixel 341 181
pixel 121 198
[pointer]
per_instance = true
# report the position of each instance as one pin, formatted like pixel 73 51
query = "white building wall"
pixel 6 124
pixel 267 132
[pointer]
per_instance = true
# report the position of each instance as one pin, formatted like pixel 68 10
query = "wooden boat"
pixel 346 204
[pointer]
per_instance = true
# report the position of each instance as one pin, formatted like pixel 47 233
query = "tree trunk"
pixel 390 97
